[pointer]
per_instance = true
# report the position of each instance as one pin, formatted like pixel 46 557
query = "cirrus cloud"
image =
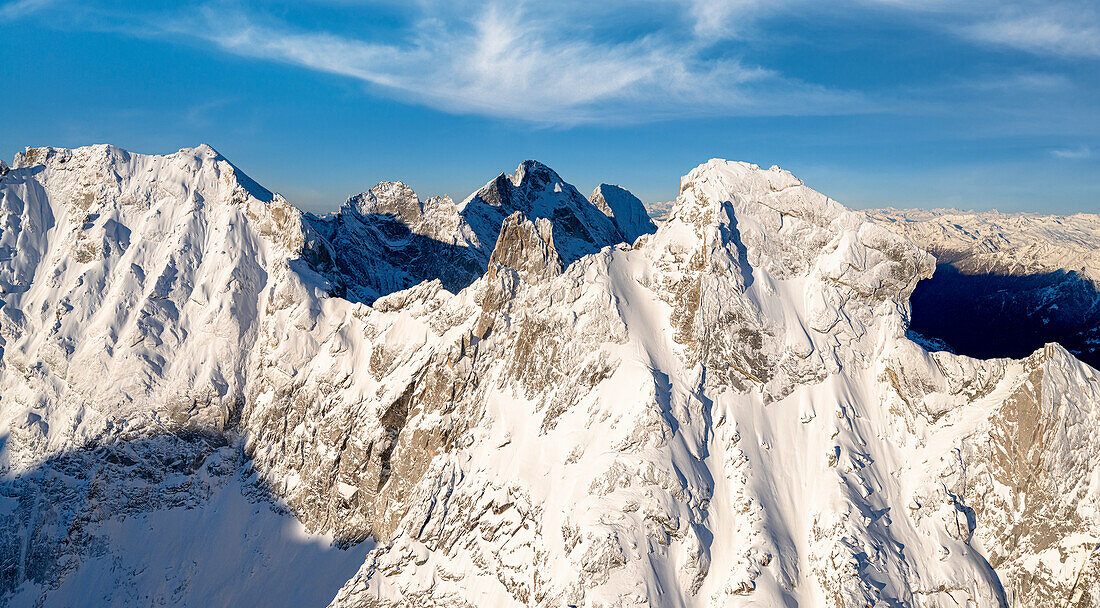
pixel 514 62
pixel 1078 153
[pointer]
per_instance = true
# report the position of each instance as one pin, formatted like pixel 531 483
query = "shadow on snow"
pixel 991 315
pixel 177 519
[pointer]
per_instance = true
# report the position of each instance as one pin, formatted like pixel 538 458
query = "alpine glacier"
pixel 528 398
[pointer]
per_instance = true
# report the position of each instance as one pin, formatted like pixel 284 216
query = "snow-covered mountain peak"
pixel 743 243
pixel 393 198
pixel 101 169
pixel 530 179
pixel 746 207
pixel 748 184
pixel 775 223
pixel 628 213
pixel 139 250
pixel 437 217
pixel 536 173
pixel 537 191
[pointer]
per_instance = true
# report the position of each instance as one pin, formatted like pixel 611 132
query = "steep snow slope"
pixel 132 287
pixel 628 213
pixel 725 412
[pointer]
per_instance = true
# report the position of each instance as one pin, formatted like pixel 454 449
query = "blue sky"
pixel 979 104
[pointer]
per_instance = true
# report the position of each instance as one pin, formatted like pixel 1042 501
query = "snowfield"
pixel 528 398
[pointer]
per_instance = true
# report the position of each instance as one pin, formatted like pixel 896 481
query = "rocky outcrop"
pixel 527 247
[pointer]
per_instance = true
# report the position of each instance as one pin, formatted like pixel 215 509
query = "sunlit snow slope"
pixel 724 412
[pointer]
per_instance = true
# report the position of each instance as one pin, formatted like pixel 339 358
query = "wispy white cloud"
pixel 21 8
pixel 1048 27
pixel 1045 27
pixel 1078 153
pixel 720 19
pixel 1054 32
pixel 515 62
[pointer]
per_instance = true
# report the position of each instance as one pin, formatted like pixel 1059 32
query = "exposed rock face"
pixel 1025 475
pixel 628 213
pixel 528 248
pixel 726 412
